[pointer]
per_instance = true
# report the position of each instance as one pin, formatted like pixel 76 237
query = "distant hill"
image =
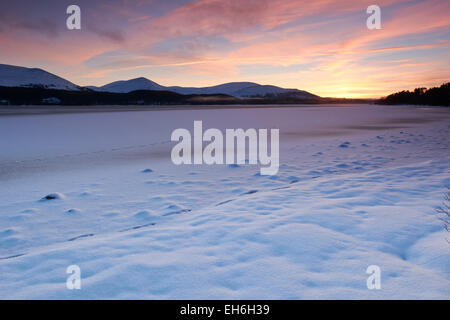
pixel 437 96
pixel 129 86
pixel 44 88
pixel 244 90
pixel 235 89
pixel 14 76
pixel 30 86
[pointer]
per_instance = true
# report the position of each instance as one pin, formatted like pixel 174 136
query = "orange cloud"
pixel 206 42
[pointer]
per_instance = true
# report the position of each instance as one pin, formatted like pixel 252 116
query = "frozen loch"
pixel 357 186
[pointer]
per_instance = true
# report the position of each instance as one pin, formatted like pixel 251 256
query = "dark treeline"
pixel 437 96
pixel 87 97
pixel 42 96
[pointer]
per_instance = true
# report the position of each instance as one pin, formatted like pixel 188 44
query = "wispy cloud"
pixel 322 45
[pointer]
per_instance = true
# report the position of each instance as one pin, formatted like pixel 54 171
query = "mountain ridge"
pixel 17 76
pixel 235 89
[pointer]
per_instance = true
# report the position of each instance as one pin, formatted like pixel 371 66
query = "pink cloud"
pixel 258 32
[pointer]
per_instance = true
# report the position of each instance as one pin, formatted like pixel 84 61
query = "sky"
pixel 320 46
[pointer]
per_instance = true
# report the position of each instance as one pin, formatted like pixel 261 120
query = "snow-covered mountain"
pixel 226 88
pixel 267 90
pixel 14 76
pixel 125 86
pixel 235 89
pixel 243 90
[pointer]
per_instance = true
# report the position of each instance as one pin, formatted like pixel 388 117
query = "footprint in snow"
pixel 224 202
pixel 82 236
pixel 177 212
pixel 53 196
pixel 73 210
pixel 346 144
pixel 249 192
pixel 13 256
pixel 138 227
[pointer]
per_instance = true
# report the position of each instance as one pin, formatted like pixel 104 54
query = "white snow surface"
pixel 357 186
pixel 14 76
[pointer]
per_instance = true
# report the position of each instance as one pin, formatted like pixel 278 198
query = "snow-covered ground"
pixel 357 186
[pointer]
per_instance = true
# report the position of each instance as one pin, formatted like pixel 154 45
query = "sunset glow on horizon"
pixel 321 46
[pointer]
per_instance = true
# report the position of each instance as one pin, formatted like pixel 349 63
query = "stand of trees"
pixel 437 96
pixel 43 96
